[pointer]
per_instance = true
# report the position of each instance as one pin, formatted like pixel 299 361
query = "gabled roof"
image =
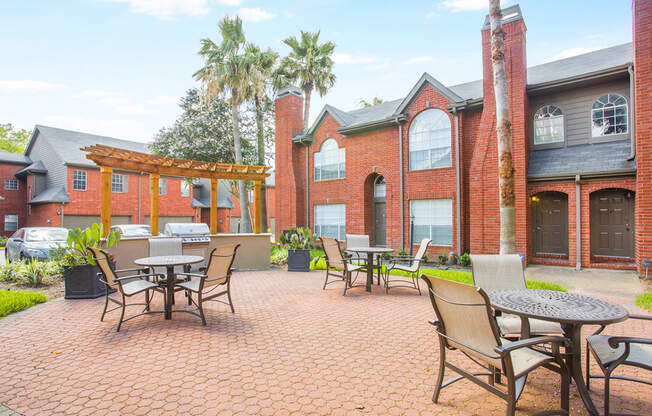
pixel 14 158
pixel 36 167
pixel 51 195
pixel 427 79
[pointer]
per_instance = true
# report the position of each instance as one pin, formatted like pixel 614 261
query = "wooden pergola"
pixel 109 158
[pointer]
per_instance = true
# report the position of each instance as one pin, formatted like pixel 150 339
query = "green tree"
pixel 375 101
pixel 309 63
pixel 13 140
pixel 226 73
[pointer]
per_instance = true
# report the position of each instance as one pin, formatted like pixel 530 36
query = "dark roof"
pixel 573 67
pixel 14 158
pixel 51 195
pixel 582 159
pixel 36 167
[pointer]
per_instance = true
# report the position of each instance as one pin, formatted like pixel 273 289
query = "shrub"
pixel 278 254
pixel 464 260
pixel 17 300
pixel 34 272
pixel 11 272
pixel 3 241
pixel 425 258
pixel 402 252
pixel 644 301
pixel 443 257
pixel 298 239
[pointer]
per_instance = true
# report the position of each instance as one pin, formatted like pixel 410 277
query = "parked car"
pixel 133 230
pixel 34 242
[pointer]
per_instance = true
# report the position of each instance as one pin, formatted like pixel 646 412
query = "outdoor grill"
pixel 190 233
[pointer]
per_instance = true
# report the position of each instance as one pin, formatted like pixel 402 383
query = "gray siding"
pixel 57 172
pixel 576 106
pixel 38 184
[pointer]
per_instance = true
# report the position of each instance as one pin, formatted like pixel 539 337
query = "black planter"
pixel 298 260
pixel 82 282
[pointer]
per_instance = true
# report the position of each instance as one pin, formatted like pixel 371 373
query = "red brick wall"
pixel 14 202
pixel 44 215
pixel 223 220
pixel 642 12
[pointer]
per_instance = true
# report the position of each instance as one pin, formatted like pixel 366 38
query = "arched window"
pixel 548 125
pixel 430 140
pixel 329 161
pixel 609 115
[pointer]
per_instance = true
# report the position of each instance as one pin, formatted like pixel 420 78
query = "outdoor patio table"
pixel 168 262
pixel 371 252
pixel 571 310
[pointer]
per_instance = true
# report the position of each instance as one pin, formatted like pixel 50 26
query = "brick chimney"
pixel 290 160
pixel 485 210
pixel 642 36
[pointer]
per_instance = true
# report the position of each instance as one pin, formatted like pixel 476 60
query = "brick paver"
pixel 290 348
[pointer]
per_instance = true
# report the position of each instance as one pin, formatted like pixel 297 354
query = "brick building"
pixel 53 184
pixel 426 165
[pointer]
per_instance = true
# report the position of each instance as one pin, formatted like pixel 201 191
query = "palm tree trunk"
pixel 245 222
pixel 261 161
pixel 307 92
pixel 503 133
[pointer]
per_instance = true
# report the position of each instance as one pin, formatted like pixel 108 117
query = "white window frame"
pixel 321 216
pixel 14 184
pixel 435 218
pixel 11 216
pixel 122 181
pixel 547 120
pixel 162 186
pixel 329 155
pixel 433 144
pixel 595 111
pixel 184 188
pixel 77 180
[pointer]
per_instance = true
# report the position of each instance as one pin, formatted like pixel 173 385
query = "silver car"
pixel 34 243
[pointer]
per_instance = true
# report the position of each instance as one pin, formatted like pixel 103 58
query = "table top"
pixel 168 260
pixel 370 249
pixel 562 307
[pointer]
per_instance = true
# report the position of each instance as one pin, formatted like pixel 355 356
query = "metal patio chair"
pixel 215 282
pixel 611 352
pixel 361 240
pixel 412 267
pixel 168 247
pixel 337 265
pixel 505 271
pixel 465 322
pixel 127 286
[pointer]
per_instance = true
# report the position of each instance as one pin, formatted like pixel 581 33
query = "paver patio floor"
pixel 290 348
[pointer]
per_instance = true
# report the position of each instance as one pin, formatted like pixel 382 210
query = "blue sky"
pixel 118 67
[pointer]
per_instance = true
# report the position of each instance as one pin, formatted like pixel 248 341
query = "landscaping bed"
pixel 18 300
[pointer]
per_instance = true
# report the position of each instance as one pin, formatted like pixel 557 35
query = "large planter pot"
pixel 298 260
pixel 82 282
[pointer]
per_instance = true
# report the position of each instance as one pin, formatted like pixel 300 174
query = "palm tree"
pixel 364 103
pixel 225 72
pixel 310 64
pixel 261 67
pixel 503 132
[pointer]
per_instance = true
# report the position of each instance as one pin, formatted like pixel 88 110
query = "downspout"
pixel 62 215
pixel 578 225
pixel 458 210
pixel 400 181
pixel 308 186
pixel 632 129
pixel 140 178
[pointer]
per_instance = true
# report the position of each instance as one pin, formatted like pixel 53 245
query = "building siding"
pixel 57 171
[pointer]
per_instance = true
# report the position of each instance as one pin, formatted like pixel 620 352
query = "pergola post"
pixel 105 198
pixel 153 202
pixel 257 219
pixel 213 206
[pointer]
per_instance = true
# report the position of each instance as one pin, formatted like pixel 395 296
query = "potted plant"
pixel 79 268
pixel 298 242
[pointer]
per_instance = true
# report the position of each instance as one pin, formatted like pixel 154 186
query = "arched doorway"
pixel 612 223
pixel 379 205
pixel 549 223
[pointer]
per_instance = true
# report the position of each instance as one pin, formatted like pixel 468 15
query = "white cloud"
pixel 567 53
pixel 419 59
pixel 122 128
pixel 122 104
pixel 288 15
pixel 255 14
pixel 163 100
pixel 342 58
pixel 96 94
pixel 28 85
pixel 229 2
pixel 378 66
pixel 168 9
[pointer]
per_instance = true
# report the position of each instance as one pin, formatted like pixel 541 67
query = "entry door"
pixel 379 224
pixel 550 223
pixel 612 223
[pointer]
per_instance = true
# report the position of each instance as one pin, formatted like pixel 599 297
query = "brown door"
pixel 612 223
pixel 550 223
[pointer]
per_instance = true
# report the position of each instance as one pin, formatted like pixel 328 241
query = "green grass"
pixel 17 300
pixel 460 276
pixel 644 301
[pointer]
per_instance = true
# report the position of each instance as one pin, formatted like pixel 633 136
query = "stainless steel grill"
pixel 188 232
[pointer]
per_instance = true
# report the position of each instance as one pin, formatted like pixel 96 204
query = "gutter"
pixel 585 175
pixel 401 185
pixel 632 120
pixel 372 125
pixel 458 208
pixel 592 76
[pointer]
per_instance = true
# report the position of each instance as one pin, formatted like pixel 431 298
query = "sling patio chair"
pixel 168 247
pixel 127 285
pixel 215 282
pixel 505 271
pixel 465 322
pixel 361 240
pixel 611 352
pixel 412 268
pixel 337 265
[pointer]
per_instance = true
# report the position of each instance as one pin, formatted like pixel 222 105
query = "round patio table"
pixel 371 252
pixel 571 310
pixel 168 262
